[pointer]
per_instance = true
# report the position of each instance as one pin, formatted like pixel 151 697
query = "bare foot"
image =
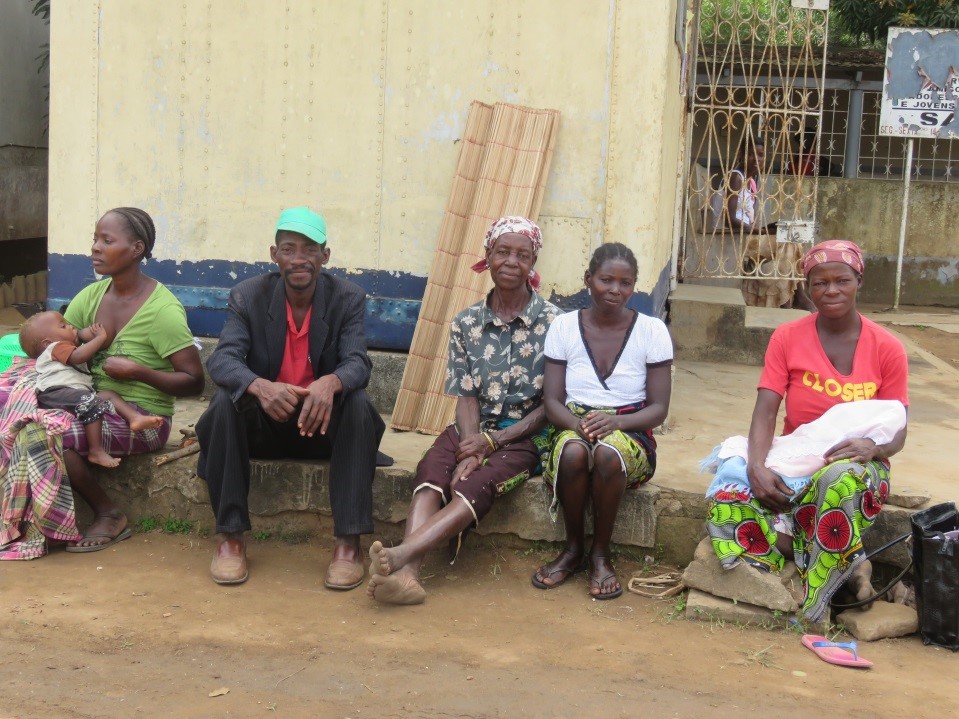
pixel 381 560
pixel 105 529
pixel 400 588
pixel 143 421
pixel 102 458
pixel 860 582
pixel 899 594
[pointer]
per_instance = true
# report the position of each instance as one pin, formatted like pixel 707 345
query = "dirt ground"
pixel 944 345
pixel 140 631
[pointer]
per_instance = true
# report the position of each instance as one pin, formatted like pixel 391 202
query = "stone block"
pixel 705 607
pixel 386 378
pixel 524 512
pixel 882 620
pixel 908 498
pixel 892 522
pixel 742 583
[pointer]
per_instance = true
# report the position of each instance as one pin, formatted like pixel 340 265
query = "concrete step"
pixel 713 324
pixel 769 318
pixel 665 518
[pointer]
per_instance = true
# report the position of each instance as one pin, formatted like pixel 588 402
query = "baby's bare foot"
pixel 400 588
pixel 144 421
pixel 103 459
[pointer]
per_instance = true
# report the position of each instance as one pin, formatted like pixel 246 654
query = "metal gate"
pixel 757 93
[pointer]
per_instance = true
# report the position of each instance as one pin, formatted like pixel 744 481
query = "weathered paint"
pixel 228 110
pixel 393 303
pixel 913 58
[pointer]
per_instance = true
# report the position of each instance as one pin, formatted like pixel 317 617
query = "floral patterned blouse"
pixel 500 363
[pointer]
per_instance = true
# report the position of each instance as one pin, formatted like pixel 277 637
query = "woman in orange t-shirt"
pixel 835 355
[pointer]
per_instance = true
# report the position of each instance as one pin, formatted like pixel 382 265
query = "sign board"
pixel 920 88
pixel 801 231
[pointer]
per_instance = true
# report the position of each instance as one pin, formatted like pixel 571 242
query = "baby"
pixel 64 382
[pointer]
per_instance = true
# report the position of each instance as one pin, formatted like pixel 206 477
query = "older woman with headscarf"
pixel 831 357
pixel 495 371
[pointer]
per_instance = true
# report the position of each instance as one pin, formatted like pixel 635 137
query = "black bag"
pixel 935 559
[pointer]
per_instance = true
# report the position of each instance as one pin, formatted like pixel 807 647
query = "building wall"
pixel 226 111
pixel 23 141
pixel 21 86
pixel 869 212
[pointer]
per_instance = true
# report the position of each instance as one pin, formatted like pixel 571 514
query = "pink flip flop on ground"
pixel 843 654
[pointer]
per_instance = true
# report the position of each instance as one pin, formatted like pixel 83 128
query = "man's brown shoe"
pixel 229 560
pixel 346 570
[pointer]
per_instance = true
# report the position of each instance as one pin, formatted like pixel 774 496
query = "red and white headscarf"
pixel 521 226
pixel 833 251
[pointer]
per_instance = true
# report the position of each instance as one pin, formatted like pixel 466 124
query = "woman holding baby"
pixel 148 360
pixel 833 356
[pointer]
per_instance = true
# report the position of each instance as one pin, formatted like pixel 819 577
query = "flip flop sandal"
pixel 843 654
pixel 599 582
pixel 125 534
pixel 540 584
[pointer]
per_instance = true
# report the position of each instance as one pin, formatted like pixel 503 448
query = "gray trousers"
pixel 230 434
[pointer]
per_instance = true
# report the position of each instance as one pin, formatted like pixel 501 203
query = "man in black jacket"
pixel 290 366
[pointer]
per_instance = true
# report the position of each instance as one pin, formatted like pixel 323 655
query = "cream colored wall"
pixel 215 115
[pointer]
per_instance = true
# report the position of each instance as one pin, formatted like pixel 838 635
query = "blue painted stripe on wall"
pixel 391 312
pixel 68 274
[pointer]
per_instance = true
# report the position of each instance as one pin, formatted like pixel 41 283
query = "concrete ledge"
pixel 293 495
pixel 770 318
pixel 709 294
pixel 290 496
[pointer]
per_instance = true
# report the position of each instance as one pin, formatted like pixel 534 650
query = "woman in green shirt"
pixel 150 360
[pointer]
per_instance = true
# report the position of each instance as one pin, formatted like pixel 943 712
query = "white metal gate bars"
pixel 755 122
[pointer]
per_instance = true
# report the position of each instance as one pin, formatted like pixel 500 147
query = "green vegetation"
pixel 287 536
pixel 172 525
pixel 146 524
pixel 852 23
pixel 864 23
pixel 169 525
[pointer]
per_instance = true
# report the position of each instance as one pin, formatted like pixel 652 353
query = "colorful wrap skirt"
pixel 828 518
pixel 636 450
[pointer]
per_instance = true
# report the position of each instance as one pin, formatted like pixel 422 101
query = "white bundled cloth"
pixel 796 457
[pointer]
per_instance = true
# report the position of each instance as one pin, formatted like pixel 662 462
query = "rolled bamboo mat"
pixel 502 170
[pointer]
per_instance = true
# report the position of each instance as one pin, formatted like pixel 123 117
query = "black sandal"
pixel 540 584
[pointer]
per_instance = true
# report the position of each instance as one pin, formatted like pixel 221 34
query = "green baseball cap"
pixel 305 221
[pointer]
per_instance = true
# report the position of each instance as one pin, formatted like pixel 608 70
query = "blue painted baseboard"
pixel 203 288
